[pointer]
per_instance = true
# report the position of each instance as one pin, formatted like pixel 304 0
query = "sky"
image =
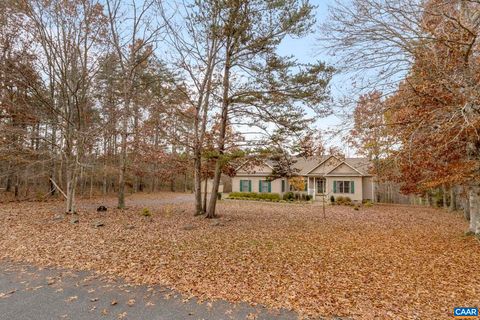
pixel 308 49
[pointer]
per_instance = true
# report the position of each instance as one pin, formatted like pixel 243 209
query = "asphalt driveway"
pixel 29 293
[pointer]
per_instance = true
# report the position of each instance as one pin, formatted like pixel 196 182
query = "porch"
pixel 317 187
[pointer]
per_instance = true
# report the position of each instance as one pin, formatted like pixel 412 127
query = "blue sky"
pixel 308 50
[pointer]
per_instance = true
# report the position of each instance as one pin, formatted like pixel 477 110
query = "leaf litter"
pixel 389 262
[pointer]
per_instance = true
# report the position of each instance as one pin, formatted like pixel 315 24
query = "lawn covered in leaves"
pixel 381 262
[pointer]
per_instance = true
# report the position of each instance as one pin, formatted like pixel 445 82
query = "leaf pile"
pixel 388 262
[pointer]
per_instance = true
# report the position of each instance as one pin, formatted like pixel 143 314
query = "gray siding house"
pixel 324 177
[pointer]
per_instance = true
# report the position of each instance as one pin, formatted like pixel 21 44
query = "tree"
pixel 372 136
pixel 250 32
pixel 134 31
pixel 69 36
pixel 297 183
pixel 434 110
pixel 195 48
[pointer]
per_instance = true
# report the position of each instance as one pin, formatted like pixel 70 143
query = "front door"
pixel 321 185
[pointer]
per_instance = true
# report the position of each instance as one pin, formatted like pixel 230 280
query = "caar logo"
pixel 463 312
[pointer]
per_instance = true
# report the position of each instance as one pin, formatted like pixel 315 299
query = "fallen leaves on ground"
pixel 381 262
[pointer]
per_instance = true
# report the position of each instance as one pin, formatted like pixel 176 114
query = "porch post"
pixel 308 185
pixel 314 187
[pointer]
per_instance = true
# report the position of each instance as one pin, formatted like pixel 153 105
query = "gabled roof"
pixel 341 163
pixel 322 161
pixel 305 166
pixel 267 163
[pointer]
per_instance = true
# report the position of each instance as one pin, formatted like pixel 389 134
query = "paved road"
pixel 28 293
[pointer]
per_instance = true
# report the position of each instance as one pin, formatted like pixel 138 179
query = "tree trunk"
pixel 104 179
pixel 453 199
pixel 198 184
pixel 204 100
pixel 8 187
pixel 466 207
pixel 222 133
pixel 473 154
pixel 91 183
pixel 444 197
pixel 474 195
pixel 123 167
pixel 205 192
pixel 71 184
pixel 185 182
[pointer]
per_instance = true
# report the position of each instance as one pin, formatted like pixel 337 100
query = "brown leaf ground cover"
pixel 377 263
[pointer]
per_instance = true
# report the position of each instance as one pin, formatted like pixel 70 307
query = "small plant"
pixel 343 201
pixel 146 212
pixel 288 196
pixel 356 207
pixel 39 196
pixel 332 199
pixel 368 203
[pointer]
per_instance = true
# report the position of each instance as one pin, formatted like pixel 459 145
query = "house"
pixel 324 176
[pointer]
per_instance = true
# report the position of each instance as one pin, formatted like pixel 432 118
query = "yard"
pixel 381 262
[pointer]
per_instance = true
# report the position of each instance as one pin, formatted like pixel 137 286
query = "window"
pixel 321 185
pixel 264 186
pixel 245 186
pixel 343 187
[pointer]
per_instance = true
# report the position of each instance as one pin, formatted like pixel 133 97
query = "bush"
pixel 146 212
pixel 368 203
pixel 296 196
pixel 288 196
pixel 268 196
pixel 242 195
pixel 254 196
pixel 343 200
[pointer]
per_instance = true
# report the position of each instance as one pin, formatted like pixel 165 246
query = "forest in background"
pixel 117 96
pixel 108 96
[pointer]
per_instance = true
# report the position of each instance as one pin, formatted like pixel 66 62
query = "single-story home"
pixel 323 176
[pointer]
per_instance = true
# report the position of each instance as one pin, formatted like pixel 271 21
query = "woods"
pixel 422 126
pixel 114 96
pixel 320 158
pixel 118 95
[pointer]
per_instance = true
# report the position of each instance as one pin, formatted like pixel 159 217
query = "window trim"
pixel 340 186
pixel 261 185
pixel 248 186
